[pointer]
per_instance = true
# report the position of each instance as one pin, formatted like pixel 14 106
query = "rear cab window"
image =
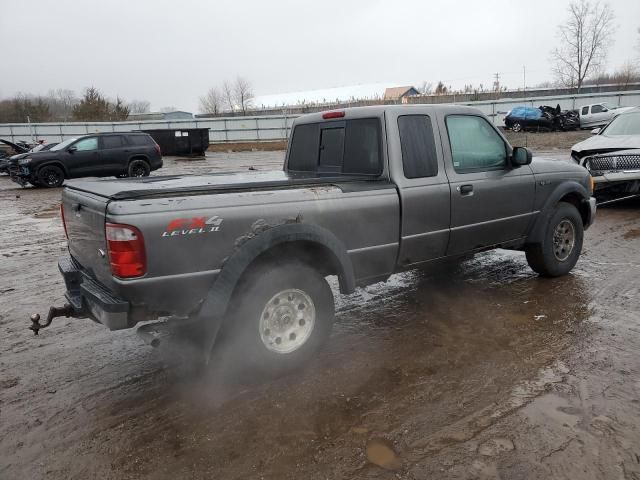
pixel 349 147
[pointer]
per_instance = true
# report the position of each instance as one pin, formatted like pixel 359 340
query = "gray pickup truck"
pixel 364 193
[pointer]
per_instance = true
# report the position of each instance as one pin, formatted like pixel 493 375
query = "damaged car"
pixel 543 118
pixel 612 155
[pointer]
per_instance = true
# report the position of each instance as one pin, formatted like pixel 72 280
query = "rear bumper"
pixel 90 299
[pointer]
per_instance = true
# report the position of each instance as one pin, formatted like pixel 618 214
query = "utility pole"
pixel 524 81
pixel 496 83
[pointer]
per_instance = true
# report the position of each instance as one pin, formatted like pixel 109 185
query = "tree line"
pixel 229 97
pixel 64 105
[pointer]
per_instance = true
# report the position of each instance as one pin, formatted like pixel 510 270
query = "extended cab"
pixel 365 192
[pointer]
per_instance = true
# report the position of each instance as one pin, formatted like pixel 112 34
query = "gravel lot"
pixel 487 372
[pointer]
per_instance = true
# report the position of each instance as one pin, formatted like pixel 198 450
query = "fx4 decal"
pixel 192 226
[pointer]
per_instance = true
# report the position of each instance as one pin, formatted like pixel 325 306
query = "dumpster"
pixel 184 141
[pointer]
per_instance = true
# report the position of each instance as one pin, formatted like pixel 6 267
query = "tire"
pixel 561 244
pixel 50 176
pixel 279 320
pixel 139 168
pixel 35 183
pixel 517 127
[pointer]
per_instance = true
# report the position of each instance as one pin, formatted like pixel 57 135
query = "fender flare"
pixel 537 230
pixel 219 296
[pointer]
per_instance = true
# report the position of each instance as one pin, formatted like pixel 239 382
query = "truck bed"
pixel 135 188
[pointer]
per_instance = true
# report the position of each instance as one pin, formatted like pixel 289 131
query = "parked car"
pixel 364 193
pixel 612 155
pixel 599 114
pixel 97 155
pixel 542 118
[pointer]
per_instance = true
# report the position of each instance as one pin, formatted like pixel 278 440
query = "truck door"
pixel 491 202
pixel 599 115
pixel 423 188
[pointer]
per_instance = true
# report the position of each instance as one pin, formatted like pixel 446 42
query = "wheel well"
pixel 310 253
pixel 53 164
pixel 575 199
pixel 138 157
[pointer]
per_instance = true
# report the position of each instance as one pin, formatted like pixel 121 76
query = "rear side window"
pixel 350 147
pixel 585 110
pixel 418 146
pixel 112 141
pixel 140 139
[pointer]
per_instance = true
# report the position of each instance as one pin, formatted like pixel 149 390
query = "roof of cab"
pixel 380 110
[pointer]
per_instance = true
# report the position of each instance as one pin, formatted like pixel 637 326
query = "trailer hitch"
pixel 64 311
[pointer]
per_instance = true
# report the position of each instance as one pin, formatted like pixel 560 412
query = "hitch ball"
pixel 35 323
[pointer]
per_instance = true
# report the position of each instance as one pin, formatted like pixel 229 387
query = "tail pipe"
pixel 65 311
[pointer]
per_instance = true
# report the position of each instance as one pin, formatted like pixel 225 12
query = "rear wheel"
pixel 50 176
pixel 561 245
pixel 280 319
pixel 139 168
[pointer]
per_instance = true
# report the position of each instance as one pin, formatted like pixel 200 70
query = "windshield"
pixel 628 124
pixel 64 144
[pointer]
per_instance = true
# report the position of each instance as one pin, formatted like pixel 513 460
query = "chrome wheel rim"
pixel 517 127
pixel 287 321
pixel 564 239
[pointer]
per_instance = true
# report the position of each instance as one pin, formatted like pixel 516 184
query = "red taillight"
pixel 328 115
pixel 157 147
pixel 64 223
pixel 125 245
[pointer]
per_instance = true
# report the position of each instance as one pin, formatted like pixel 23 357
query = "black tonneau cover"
pixel 133 188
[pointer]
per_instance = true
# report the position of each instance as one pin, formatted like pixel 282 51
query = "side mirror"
pixel 605 109
pixel 521 156
pixel 595 131
pixel 72 149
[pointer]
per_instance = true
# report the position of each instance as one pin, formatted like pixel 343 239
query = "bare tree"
pixel 228 96
pixel 426 88
pixel 139 106
pixel 212 102
pixel 584 41
pixel 243 93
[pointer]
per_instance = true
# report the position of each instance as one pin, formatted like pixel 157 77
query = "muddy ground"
pixel 485 372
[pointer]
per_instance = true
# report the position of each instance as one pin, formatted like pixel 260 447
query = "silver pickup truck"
pixel 364 193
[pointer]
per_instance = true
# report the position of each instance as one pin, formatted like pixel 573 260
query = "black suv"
pixel 97 155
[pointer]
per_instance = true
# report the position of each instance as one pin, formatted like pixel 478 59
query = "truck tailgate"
pixel 84 215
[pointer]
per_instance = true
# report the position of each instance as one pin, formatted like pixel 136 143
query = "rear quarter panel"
pixel 188 238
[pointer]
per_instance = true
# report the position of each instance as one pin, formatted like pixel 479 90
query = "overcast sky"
pixel 171 52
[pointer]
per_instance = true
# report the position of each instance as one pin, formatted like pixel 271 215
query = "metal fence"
pixel 278 127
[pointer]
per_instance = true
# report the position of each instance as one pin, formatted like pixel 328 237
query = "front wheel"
pixel 50 176
pixel 517 127
pixel 561 244
pixel 281 316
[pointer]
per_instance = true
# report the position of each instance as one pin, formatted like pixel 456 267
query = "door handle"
pixel 465 189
